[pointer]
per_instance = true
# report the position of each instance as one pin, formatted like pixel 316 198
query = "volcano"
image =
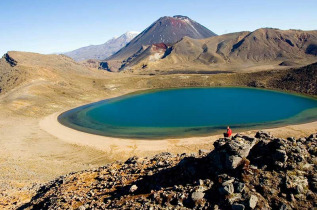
pixel 166 30
pixel 241 51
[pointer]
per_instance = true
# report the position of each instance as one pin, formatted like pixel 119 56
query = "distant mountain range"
pixel 265 48
pixel 179 44
pixel 102 51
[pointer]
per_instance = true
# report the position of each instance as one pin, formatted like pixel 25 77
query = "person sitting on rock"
pixel 228 133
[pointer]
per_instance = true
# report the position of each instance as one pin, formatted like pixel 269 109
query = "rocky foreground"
pixel 242 172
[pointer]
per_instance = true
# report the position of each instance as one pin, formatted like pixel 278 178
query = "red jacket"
pixel 229 132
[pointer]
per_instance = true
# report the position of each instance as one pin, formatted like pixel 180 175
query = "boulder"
pixel 197 196
pixel 133 188
pixel 263 134
pixel 239 187
pixel 203 152
pixel 313 136
pixel 219 143
pixel 280 155
pixel 239 147
pixel 81 208
pixel 228 154
pixel 232 162
pixel 291 139
pixel 132 160
pixel 299 184
pixel 285 207
pixel 253 201
pixel 200 182
pixel 236 197
pixel 226 188
pixel 238 206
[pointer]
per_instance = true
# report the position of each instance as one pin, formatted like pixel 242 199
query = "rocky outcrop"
pixel 230 153
pixel 242 172
pixel 10 60
pixel 10 75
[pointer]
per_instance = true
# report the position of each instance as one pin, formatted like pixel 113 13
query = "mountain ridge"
pixel 234 51
pixel 102 51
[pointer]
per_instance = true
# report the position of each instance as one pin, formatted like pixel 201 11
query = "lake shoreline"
pixel 122 148
pixel 77 118
pixel 32 156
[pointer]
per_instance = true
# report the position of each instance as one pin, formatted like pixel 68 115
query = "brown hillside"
pixel 41 85
pixel 17 67
pixel 243 51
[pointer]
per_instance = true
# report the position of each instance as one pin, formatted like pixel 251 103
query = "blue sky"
pixel 45 26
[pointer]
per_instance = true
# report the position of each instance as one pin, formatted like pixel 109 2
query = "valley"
pixel 48 84
pixel 172 52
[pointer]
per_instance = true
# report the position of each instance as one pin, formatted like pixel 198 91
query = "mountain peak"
pixel 101 52
pixel 132 32
pixel 167 30
pixel 182 17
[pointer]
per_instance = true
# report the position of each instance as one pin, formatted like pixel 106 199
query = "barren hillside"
pixel 35 86
pixel 240 52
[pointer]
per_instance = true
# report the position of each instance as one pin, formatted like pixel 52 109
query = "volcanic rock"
pixel 190 181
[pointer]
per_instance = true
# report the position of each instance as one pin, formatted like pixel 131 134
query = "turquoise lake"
pixel 188 112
